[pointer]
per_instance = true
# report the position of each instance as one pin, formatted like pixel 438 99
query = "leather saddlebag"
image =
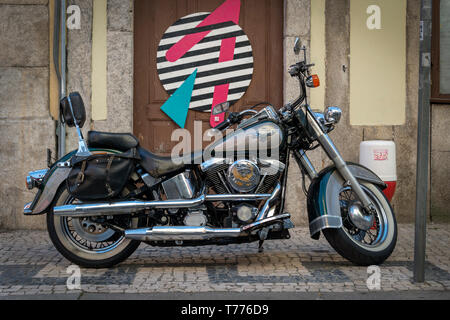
pixel 100 176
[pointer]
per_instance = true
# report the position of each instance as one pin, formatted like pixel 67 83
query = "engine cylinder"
pixel 243 175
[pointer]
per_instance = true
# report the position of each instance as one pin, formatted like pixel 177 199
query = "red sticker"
pixel 380 154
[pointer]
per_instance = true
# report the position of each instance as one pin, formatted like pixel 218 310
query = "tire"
pixel 67 245
pixel 350 247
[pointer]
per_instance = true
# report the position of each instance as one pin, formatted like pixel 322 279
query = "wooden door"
pixel 261 20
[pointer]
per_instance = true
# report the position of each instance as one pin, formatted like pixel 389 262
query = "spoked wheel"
pixel 87 241
pixel 364 240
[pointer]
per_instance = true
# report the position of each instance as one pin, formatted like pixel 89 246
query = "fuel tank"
pixel 261 140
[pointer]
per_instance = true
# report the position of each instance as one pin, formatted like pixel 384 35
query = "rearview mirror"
pixel 221 108
pixel 297 46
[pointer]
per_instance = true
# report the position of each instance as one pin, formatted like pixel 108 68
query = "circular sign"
pixel 218 54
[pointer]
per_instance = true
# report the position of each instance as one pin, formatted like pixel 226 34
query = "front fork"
pixel 334 155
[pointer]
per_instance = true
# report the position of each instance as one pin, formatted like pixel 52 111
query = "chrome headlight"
pixel 34 178
pixel 332 115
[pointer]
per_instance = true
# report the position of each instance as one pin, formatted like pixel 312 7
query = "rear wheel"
pixel 86 241
pixel 364 247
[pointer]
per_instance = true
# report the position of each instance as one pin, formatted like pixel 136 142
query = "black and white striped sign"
pixel 204 56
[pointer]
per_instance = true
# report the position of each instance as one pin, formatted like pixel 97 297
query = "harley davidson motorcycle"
pixel 111 194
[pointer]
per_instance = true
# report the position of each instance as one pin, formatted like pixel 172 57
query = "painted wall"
pixel 377 62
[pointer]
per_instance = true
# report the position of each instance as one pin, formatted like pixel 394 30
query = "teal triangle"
pixel 177 106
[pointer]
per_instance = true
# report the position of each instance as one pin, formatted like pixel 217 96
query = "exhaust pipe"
pixel 199 233
pixel 123 207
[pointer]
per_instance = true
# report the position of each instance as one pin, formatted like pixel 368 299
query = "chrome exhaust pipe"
pixel 199 233
pixel 180 233
pixel 122 207
pixel 125 207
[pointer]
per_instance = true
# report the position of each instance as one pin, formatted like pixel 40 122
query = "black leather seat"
pixel 117 141
pixel 158 166
pixel 154 164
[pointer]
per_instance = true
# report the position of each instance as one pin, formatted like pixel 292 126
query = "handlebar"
pixel 233 118
pixel 223 125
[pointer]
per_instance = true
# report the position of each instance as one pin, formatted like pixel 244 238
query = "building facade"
pixel 109 63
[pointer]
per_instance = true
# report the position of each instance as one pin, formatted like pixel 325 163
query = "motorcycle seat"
pixel 116 141
pixel 158 166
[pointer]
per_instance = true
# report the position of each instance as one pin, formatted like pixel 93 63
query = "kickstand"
pixel 260 246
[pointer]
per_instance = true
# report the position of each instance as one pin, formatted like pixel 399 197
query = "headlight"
pixel 332 115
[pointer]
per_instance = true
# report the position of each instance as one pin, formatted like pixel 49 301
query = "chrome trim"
pixel 214 163
pixel 63 164
pixel 335 156
pixel 198 233
pixel 330 217
pixel 269 202
pixel 358 218
pixel 268 113
pixel 270 166
pixel 34 178
pixel 123 207
pixel 238 184
pixel 51 187
pixel 324 222
pixel 222 180
pixel 179 187
pixel 180 233
pixel 83 150
pixel 301 157
pixel 237 197
pixel 264 222
pixel 30 183
pixel 332 115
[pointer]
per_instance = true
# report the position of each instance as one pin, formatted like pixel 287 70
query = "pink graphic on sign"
pixel 228 11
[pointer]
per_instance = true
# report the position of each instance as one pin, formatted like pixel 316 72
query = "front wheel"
pixel 87 242
pixel 364 247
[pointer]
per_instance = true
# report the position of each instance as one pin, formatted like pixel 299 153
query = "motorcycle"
pixel 111 194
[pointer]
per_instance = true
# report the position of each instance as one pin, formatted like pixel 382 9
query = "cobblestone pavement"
pixel 30 265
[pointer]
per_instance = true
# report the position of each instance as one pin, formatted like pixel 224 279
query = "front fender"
pixel 51 183
pixel 323 196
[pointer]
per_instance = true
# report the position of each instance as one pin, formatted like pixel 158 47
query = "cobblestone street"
pixel 30 265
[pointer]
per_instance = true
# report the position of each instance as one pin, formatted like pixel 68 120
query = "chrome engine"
pixel 225 176
pixel 195 218
pixel 242 176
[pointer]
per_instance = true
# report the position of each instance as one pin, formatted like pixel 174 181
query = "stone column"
pixel 26 128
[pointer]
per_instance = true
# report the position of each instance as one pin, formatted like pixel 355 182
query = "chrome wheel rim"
pixel 376 235
pixel 89 236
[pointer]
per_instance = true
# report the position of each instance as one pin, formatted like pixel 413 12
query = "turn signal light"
pixel 313 81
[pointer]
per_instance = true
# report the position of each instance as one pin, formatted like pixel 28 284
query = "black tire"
pixel 76 254
pixel 358 253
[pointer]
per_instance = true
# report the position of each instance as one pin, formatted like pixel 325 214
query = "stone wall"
pixel 440 163
pixel 26 128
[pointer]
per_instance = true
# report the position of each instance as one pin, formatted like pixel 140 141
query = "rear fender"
pixel 52 182
pixel 323 196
